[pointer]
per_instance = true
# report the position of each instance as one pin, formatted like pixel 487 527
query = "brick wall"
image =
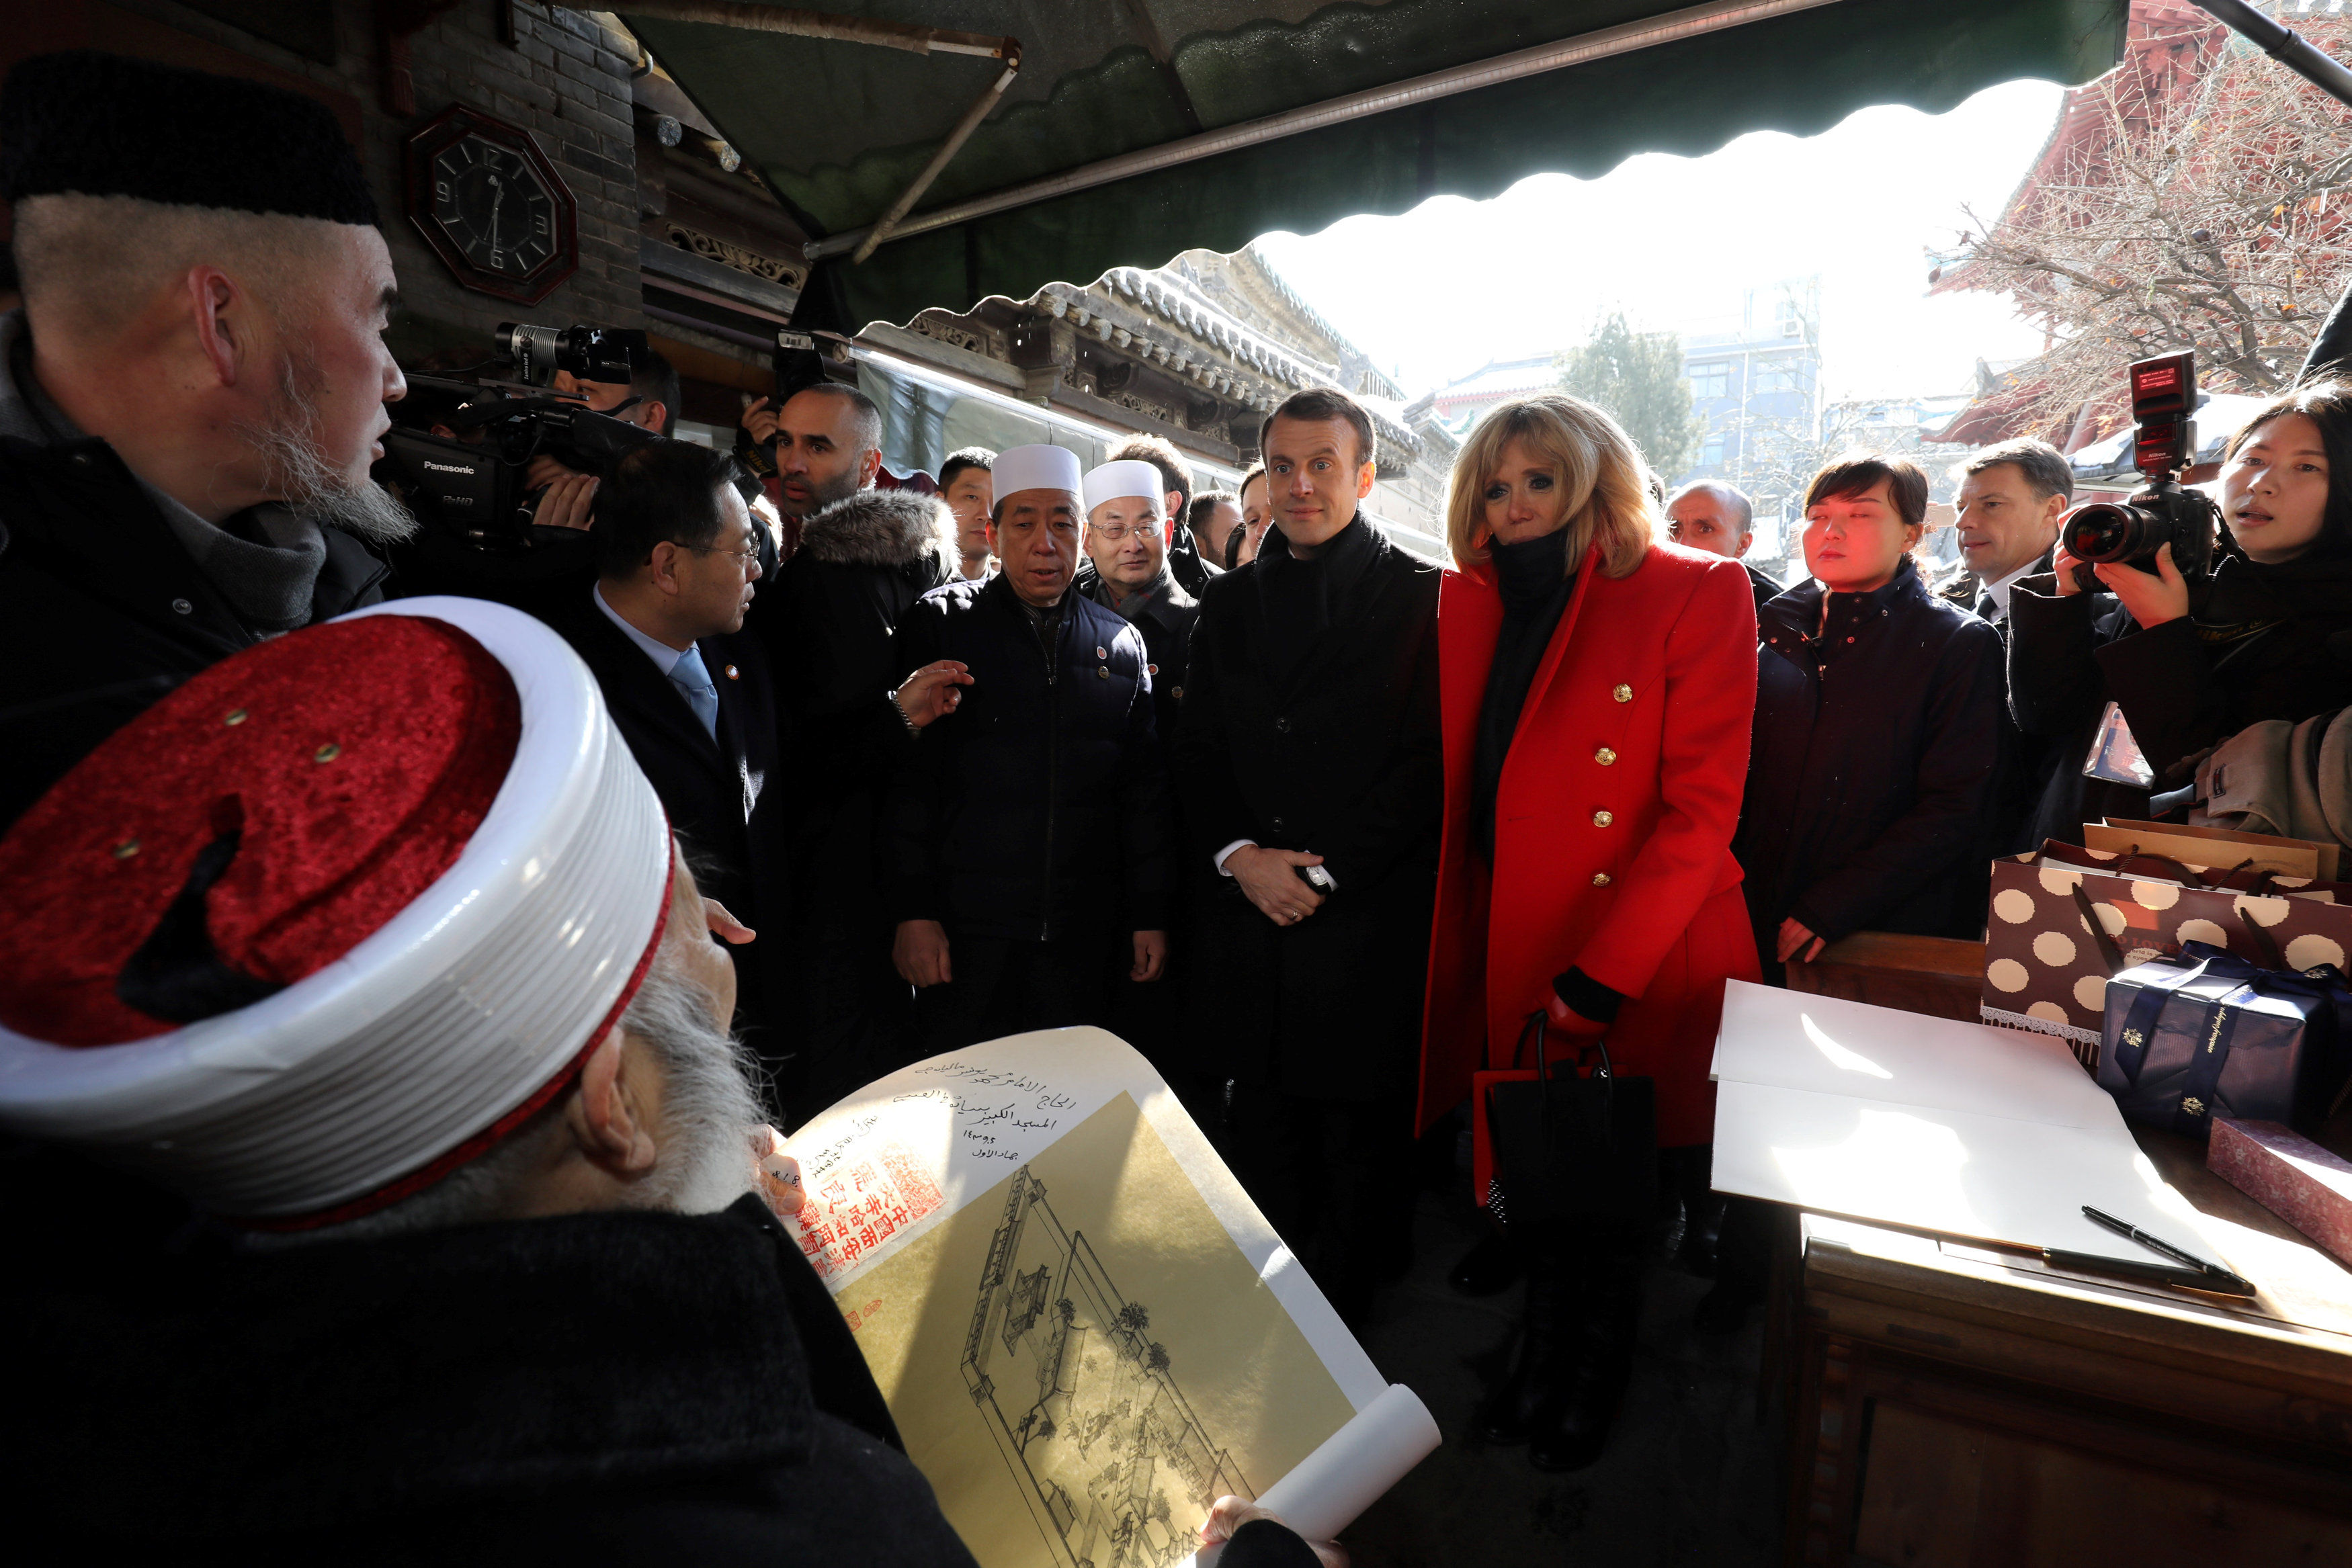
pixel 565 79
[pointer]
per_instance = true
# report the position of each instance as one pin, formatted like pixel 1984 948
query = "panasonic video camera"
pixel 2163 511
pixel 459 448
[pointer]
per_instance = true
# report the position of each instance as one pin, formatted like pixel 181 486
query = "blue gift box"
pixel 2207 1034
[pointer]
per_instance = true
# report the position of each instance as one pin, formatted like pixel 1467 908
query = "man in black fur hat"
pixel 190 397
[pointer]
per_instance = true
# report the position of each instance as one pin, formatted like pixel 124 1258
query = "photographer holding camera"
pixel 190 397
pixel 2189 658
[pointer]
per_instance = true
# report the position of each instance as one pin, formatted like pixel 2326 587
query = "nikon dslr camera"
pixel 2163 511
pixel 459 446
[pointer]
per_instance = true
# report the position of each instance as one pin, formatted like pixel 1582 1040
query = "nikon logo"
pixel 448 468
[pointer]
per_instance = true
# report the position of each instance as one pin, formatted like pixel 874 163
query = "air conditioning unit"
pixel 1792 328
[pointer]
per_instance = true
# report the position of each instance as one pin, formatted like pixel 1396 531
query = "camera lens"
pixel 2102 532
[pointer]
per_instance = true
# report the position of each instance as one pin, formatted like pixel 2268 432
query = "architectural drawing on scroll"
pixel 1081 1402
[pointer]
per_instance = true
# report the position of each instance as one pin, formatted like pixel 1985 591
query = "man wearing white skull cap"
pixel 371 944
pixel 1031 830
pixel 1126 540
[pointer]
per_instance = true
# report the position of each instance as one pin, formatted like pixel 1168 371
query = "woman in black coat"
pixel 1877 734
pixel 2191 663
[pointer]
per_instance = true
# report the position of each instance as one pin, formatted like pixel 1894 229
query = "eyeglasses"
pixel 744 558
pixel 1113 533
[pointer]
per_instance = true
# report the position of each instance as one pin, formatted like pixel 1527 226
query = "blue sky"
pixel 1439 291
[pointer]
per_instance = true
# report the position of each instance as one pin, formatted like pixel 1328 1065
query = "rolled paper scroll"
pixel 1328 1489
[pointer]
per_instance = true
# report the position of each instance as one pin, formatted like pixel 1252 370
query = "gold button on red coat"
pixel 1604 756
pixel 1601 879
pixel 1624 694
pixel 1603 819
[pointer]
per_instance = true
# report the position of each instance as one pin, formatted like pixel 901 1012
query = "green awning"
pixel 838 129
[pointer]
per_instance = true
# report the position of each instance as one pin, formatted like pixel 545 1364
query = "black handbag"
pixel 1568 1148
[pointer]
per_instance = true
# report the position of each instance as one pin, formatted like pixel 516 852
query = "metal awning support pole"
pixel 1673 27
pixel 2285 45
pixel 858 30
pixel 922 182
pixel 817 25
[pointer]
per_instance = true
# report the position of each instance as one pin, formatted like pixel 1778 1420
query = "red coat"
pixel 1621 868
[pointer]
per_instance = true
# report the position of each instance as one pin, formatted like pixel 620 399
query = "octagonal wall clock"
pixel 492 205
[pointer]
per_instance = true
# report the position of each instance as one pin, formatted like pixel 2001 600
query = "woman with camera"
pixel 1595 686
pixel 2188 663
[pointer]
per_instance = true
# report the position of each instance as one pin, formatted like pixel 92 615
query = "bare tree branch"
pixel 2203 213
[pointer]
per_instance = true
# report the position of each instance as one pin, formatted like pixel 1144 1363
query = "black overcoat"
pixel 596 1388
pixel 1342 760
pixel 102 610
pixel 1876 743
pixel 2010 812
pixel 828 620
pixel 1040 807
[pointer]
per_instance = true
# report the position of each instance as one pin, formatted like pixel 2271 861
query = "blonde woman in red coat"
pixel 1597 686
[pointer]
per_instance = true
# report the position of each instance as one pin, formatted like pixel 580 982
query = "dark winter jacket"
pixel 1165 619
pixel 2057 693
pixel 828 620
pixel 1040 807
pixel 102 610
pixel 1877 741
pixel 1762 587
pixel 2258 643
pixel 595 1387
pixel 1311 723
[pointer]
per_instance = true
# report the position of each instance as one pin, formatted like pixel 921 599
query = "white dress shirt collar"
pixel 663 656
pixel 1999 591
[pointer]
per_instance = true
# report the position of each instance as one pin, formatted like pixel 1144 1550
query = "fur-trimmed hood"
pixel 893 528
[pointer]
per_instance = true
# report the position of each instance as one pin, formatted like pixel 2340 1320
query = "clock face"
pixel 494 206
pixel 484 197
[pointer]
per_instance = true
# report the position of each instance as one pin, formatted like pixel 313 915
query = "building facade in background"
pixel 672 232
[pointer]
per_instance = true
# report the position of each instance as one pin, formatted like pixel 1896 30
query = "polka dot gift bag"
pixel 2047 969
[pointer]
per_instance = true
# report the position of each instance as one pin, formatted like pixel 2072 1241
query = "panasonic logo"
pixel 448 468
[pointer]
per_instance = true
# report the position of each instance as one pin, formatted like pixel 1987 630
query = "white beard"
pixel 299 475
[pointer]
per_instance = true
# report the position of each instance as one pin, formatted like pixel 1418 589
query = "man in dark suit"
pixel 662 630
pixel 1713 516
pixel 1309 743
pixel 2010 498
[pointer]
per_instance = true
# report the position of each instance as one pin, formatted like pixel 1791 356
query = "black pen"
pixel 2170 1274
pixel 2226 1282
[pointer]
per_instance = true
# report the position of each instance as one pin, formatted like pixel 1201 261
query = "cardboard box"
pixel 2289 1175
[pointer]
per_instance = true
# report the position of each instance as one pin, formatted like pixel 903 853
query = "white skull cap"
pixel 1128 477
pixel 1022 468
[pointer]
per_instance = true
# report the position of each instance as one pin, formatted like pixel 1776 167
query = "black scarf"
pixel 1300 593
pixel 1535 584
pixel 2245 598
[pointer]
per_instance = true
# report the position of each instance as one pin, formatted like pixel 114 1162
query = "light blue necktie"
pixel 693 678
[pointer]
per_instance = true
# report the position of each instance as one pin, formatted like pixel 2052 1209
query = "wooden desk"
pixel 1957 1408
pixel 1933 974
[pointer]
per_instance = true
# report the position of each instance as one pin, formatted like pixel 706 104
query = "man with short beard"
pixel 190 397
pixel 828 447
